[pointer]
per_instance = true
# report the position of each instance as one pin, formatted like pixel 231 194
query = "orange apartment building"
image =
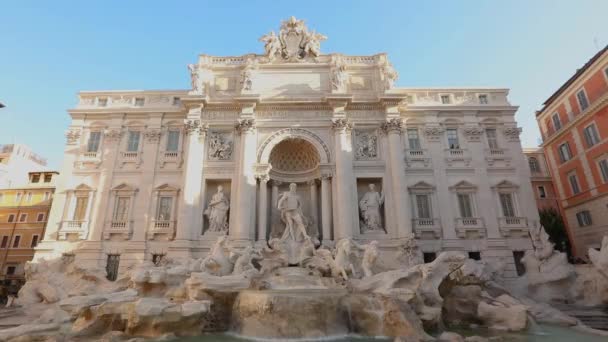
pixel 574 126
pixel 542 183
pixel 23 216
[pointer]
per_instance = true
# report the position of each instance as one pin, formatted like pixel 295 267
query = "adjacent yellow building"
pixel 23 216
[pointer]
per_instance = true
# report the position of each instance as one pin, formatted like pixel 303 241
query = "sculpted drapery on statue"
pixel 290 206
pixel 370 209
pixel 217 211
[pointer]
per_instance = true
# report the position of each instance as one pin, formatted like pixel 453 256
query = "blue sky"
pixel 49 50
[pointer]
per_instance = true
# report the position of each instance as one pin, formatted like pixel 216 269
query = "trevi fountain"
pixel 394 246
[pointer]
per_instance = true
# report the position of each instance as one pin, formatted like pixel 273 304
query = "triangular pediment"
pixel 422 185
pixel 83 187
pixel 505 184
pixel 166 187
pixel 463 185
pixel 123 187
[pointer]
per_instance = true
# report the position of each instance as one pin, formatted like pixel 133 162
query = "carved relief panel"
pixel 219 146
pixel 366 144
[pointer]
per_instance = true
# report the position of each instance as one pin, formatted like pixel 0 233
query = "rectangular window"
pixel 18 198
pixel 584 218
pixel 557 124
pixel 10 270
pixel 423 206
pixel 464 204
pixel 102 102
pixel 164 208
pixel 47 195
pixel 506 201
pixel 11 218
pixel 28 197
pixel 16 241
pixel 112 264
pixel 122 209
pixel 4 242
pixel 564 152
pixel 133 142
pixel 475 255
pixel 582 99
pixel 93 143
pixel 429 257
pixel 81 208
pixel 452 134
pixel 23 218
pixel 172 140
pixel 157 259
pixel 40 217
pixel 574 184
pixel 48 177
pixel 591 136
pixel 34 241
pixel 604 169
pixel 177 101
pixel 445 99
pixel 483 99
pixel 36 178
pixel 413 138
pixel 541 192
pixel 492 140
pixel 139 102
pixel 519 266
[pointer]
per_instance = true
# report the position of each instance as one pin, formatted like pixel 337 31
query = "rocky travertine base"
pixel 226 291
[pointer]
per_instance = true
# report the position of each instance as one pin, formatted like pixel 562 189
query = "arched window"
pixel 534 166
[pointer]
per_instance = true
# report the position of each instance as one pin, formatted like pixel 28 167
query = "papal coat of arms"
pixel 293 43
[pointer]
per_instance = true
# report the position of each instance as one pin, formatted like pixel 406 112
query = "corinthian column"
pixel 244 227
pixel 397 170
pixel 326 208
pixel 314 206
pixel 346 207
pixel 189 220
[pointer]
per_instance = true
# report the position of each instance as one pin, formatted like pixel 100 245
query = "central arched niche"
pixel 294 160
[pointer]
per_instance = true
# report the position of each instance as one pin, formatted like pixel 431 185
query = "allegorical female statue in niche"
pixel 370 209
pixel 217 211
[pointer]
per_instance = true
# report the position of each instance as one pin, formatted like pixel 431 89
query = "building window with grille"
pixel 35 178
pixel 574 186
pixel 173 140
pixel 93 143
pixel 133 141
pixel 10 270
pixel 603 164
pixel 429 257
pixel 452 134
pixel 4 243
pixel 541 192
pixel 177 101
pixel 40 217
pixel 519 265
pixel 491 136
pixel 557 123
pixel 475 255
pixel 534 165
pixel 483 99
pixel 48 177
pixel 445 99
pixel 34 241
pixel 80 210
pixel 165 204
pixel 11 218
pixel 465 205
pixel 121 210
pixel 22 218
pixel 591 135
pixel 582 99
pixel 16 241
pixel 584 218
pixel 413 139
pixel 423 206
pixel 507 205
pixel 564 152
pixel 112 264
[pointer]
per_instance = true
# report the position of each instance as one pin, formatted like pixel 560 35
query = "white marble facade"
pixel 140 177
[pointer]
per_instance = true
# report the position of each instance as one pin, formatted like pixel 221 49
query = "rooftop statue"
pixel 294 42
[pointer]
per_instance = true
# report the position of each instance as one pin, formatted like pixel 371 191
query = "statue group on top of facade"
pixel 370 205
pixel 217 211
pixel 220 147
pixel 294 42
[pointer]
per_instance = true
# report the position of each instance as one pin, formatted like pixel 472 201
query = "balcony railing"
pixel 496 152
pixel 166 227
pixel 90 155
pixel 513 226
pixel 77 227
pixel 427 228
pixel 130 155
pixel 117 227
pixel 455 152
pixel 170 157
pixel 470 228
pixel 417 153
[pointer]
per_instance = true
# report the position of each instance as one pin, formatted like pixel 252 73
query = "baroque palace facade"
pixel 154 173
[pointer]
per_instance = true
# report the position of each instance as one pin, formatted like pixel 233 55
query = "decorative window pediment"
pixel 166 188
pixel 82 187
pixel 421 187
pixel 463 186
pixel 124 188
pixel 505 185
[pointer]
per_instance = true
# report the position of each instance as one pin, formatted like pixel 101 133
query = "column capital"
pixel 263 177
pixel 195 126
pixel 275 182
pixel 393 125
pixel 326 176
pixel 246 125
pixel 341 125
pixel 312 182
